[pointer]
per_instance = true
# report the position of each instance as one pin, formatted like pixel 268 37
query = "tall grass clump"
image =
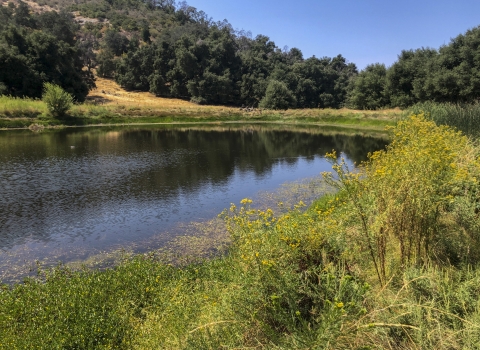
pixel 389 261
pixel 15 107
pixel 464 117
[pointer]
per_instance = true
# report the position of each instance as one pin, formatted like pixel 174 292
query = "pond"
pixel 78 191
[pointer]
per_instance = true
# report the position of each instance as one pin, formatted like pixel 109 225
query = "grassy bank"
pixel 109 104
pixel 390 261
pixel 31 113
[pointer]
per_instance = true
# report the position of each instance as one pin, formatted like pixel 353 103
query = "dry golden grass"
pixel 111 95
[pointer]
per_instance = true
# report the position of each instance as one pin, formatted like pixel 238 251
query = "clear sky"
pixel 363 31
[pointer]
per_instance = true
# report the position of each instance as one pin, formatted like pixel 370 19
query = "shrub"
pixel 58 101
pixel 198 100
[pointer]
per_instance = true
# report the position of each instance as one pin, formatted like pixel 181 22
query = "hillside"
pixel 178 51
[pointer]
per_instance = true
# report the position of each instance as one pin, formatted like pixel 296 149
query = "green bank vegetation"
pixel 24 113
pixel 389 261
pixel 176 51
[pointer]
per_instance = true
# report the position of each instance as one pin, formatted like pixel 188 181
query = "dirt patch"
pixel 82 20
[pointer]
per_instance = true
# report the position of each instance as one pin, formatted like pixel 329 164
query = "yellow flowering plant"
pixel 404 197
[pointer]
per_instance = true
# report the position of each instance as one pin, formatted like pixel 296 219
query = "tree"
pixel 454 74
pixel 106 64
pixel 40 48
pixel 22 16
pixel 323 82
pixel 368 89
pixel 133 71
pixel 115 42
pixel 256 66
pixel 60 25
pixel 277 96
pixel 406 77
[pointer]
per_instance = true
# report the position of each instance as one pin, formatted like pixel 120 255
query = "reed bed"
pixel 464 117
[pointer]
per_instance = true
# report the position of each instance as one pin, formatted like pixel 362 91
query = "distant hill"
pixel 176 51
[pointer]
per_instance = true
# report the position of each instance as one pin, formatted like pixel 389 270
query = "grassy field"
pixel 388 261
pixel 110 104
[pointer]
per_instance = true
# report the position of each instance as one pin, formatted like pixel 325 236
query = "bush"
pixel 198 100
pixel 58 101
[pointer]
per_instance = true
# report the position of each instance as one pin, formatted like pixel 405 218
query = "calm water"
pixel 97 188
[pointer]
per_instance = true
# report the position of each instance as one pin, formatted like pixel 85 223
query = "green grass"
pixel 11 107
pixel 21 113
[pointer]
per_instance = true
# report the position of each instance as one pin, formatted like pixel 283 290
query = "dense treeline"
pixel 449 74
pixel 38 48
pixel 170 50
pixel 174 50
pixel 209 62
pixel 214 68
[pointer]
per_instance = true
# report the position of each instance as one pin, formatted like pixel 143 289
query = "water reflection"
pixel 98 187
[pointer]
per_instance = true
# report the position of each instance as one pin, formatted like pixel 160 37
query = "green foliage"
pixel 106 64
pixel 453 74
pixel 57 100
pixel 78 309
pixel 406 77
pixel 449 74
pixel 277 96
pixel 208 63
pixel 133 71
pixel 302 279
pixel 12 107
pixel 368 89
pixel 115 42
pixel 38 48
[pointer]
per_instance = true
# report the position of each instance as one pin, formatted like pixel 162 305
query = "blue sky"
pixel 363 31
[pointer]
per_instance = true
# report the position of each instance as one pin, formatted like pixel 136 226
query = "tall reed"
pixel 464 117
